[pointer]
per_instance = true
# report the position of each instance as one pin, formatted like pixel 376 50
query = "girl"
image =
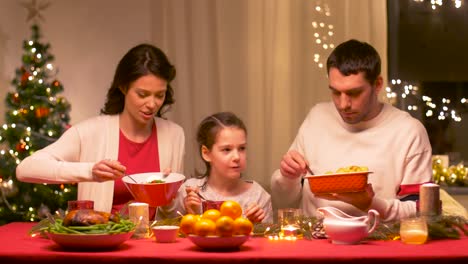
pixel 222 140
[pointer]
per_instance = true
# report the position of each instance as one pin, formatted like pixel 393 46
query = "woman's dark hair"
pixel 353 57
pixel 208 131
pixel 139 61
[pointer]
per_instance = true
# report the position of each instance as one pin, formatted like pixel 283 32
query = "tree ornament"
pixel 15 98
pixel 21 146
pixel 42 112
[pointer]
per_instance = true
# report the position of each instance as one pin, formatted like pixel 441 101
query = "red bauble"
pixel 42 112
pixel 21 146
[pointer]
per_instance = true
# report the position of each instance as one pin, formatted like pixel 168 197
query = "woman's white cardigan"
pixel 70 159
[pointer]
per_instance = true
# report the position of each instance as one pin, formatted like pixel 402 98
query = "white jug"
pixel 342 228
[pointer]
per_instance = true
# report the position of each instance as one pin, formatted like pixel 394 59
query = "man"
pixel 356 129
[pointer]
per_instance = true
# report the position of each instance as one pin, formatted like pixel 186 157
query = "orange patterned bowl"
pixel 162 192
pixel 338 182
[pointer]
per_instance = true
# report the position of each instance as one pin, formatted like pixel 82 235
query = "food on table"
pixel 187 223
pixel 205 227
pixel 225 226
pixel 88 221
pixel 242 226
pixel 211 214
pixel 352 168
pixel 231 209
pixel 157 181
pixel 226 222
pixel 86 217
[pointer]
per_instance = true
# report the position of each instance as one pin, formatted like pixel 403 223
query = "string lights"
pixel 323 33
pixel 438 3
pixel 409 98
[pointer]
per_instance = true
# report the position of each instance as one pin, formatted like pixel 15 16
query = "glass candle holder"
pixel 413 230
pixel 138 214
pixel 289 220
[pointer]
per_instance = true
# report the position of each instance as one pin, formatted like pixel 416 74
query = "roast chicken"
pixel 86 217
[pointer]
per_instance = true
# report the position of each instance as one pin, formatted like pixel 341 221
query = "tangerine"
pixel 187 223
pixel 212 214
pixel 231 208
pixel 225 226
pixel 205 227
pixel 242 226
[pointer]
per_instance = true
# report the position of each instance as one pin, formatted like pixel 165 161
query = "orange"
pixel 225 226
pixel 242 226
pixel 211 214
pixel 205 227
pixel 231 209
pixel 187 223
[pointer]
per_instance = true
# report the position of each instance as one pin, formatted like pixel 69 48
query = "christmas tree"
pixel 36 116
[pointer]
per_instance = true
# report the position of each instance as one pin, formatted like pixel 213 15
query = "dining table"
pixel 18 246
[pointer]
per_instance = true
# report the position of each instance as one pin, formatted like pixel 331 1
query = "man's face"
pixel 354 97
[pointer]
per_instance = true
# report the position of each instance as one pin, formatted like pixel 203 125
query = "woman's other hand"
pixel 254 213
pixel 107 170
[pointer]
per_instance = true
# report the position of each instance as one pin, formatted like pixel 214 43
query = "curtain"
pixel 256 59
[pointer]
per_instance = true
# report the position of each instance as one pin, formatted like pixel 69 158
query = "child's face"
pixel 228 154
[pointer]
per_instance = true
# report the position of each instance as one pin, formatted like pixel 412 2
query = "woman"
pixel 128 137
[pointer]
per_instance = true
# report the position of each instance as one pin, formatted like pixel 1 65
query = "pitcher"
pixel 342 228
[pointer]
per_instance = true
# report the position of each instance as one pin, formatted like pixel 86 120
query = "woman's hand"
pixel 254 213
pixel 192 201
pixel 107 170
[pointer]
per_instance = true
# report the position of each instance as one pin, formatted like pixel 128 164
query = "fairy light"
pixel 438 3
pixel 323 33
pixel 406 90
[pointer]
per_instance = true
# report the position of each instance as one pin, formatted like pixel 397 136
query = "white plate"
pixel 216 242
pixel 91 241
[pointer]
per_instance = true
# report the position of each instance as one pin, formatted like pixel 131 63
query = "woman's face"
pixel 144 98
pixel 228 154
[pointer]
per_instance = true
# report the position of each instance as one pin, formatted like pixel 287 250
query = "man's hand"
pixel 107 170
pixel 293 165
pixel 361 200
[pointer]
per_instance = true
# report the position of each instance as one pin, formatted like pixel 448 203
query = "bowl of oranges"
pixel 223 228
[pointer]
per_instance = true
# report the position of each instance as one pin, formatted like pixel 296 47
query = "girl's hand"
pixel 192 201
pixel 254 213
pixel 107 170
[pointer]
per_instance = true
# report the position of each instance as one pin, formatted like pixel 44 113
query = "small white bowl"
pixel 165 233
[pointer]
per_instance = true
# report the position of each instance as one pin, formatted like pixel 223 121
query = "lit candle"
pixel 138 214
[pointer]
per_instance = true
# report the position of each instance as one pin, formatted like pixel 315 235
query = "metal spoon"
pixel 309 170
pixel 128 175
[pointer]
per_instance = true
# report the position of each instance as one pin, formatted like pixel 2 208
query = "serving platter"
pixel 89 241
pixel 218 243
pixel 338 182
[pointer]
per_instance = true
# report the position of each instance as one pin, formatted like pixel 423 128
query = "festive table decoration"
pixel 455 175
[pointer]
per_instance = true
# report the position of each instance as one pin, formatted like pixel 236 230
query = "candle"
pixel 138 214
pixel 429 199
pixel 413 230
